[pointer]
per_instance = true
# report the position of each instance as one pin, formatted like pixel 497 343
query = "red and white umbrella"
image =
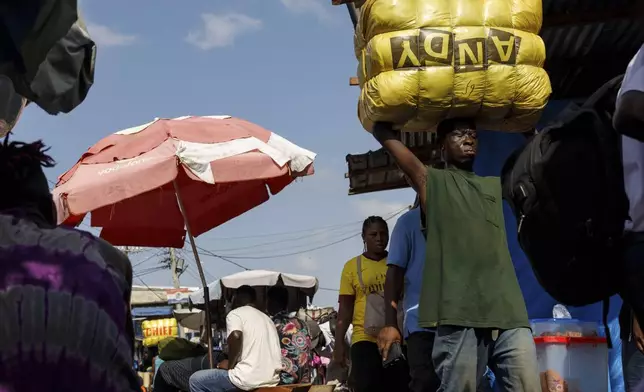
pixel 219 166
pixel 153 184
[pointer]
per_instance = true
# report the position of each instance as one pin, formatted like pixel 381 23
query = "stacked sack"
pixel 422 61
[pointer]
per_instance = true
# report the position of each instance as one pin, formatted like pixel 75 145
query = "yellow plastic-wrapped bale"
pixel 421 61
pixel 156 330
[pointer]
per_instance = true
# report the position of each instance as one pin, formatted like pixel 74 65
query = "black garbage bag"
pixel 47 53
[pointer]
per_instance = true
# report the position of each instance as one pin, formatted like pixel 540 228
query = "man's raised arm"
pixel 405 159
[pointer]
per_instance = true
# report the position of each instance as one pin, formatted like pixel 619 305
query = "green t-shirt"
pixel 469 278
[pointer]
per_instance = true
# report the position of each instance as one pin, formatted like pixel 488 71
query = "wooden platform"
pixel 298 388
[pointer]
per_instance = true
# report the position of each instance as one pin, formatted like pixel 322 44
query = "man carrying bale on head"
pixel 470 294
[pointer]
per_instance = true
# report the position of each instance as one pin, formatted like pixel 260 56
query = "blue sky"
pixel 283 64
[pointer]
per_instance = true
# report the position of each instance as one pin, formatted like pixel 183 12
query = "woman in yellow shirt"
pixel 367 372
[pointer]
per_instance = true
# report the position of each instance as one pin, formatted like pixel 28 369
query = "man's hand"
pixel 223 364
pixel 409 163
pixel 638 335
pixel 384 131
pixel 387 337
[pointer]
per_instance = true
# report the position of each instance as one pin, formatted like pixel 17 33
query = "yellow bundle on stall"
pixel 156 330
pixel 422 61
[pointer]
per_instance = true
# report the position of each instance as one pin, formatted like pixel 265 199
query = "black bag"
pixel 566 189
pixel 47 53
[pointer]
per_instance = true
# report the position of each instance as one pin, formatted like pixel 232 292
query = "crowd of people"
pixel 471 324
pixel 265 347
pixel 464 311
pixel 65 294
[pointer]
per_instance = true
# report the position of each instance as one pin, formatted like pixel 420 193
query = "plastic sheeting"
pixel 422 61
pixel 46 51
pixel 494 148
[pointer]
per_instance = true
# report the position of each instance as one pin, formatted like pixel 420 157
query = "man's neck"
pixel 468 167
pixel 29 213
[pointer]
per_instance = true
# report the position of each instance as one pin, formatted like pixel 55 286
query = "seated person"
pixel 253 351
pixel 294 338
pixel 174 376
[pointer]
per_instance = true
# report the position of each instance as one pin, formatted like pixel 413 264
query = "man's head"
pixel 458 141
pixel 277 299
pixel 21 172
pixel 245 295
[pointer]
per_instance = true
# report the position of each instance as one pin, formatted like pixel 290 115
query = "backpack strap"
pixel 359 266
pixel 604 91
pixel 605 309
pixel 599 101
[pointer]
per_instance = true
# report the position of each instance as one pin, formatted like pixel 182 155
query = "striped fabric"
pixel 65 323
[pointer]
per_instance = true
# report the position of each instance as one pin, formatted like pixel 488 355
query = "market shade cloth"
pixel 151 311
pixel 254 278
pixel 223 167
pixel 191 319
pixel 46 51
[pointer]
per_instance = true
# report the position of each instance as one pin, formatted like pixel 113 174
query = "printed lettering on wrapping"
pixel 436 47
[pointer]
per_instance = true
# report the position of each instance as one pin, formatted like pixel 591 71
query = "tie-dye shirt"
pixel 297 355
pixel 65 321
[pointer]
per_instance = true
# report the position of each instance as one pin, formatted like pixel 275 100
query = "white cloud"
pixel 385 209
pixel 219 31
pixel 307 263
pixel 105 36
pixel 319 8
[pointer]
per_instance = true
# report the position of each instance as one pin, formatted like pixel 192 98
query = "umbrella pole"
pixel 206 293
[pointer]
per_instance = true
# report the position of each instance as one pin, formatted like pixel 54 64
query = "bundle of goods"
pixel 422 61
pixel 173 349
pixel 317 314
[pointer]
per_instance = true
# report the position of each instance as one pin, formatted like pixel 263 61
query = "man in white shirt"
pixel 254 354
pixel 629 121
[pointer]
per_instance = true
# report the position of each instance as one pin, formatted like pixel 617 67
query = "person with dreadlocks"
pixel 64 294
pixel 468 292
pixel 361 276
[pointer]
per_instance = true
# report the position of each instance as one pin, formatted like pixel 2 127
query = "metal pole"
pixel 175 282
pixel 173 268
pixel 206 293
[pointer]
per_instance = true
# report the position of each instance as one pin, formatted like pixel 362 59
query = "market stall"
pixel 301 288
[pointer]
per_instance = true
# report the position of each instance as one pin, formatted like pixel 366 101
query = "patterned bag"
pixel 374 314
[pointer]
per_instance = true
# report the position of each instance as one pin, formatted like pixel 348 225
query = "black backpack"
pixel 566 189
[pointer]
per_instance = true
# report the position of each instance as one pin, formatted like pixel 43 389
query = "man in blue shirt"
pixel 406 261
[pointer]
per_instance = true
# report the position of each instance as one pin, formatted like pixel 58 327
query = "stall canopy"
pixel 257 278
pixel 190 318
pixel 152 311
